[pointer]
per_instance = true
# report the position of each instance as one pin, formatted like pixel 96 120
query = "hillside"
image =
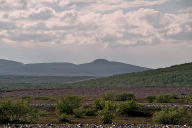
pixel 174 75
pixel 98 68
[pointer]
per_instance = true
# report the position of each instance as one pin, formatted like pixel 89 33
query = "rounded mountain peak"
pixel 100 61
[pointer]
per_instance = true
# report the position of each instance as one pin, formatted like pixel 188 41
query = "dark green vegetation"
pixel 189 99
pixel 68 104
pixel 111 96
pixel 165 98
pixel 17 112
pixel 172 116
pixel 77 109
pixel 108 113
pixel 177 75
pixel 131 108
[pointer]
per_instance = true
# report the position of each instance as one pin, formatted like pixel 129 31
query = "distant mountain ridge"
pixel 99 68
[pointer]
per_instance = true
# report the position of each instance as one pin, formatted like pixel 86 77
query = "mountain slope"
pixel 108 68
pixel 99 67
pixel 175 75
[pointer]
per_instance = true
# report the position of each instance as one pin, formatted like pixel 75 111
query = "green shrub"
pixel 151 98
pixel 109 96
pixel 99 104
pixel 25 97
pixel 108 113
pixel 163 99
pixel 67 104
pixel 79 112
pixel 174 96
pixel 189 99
pixel 90 111
pixel 131 108
pixel 17 112
pixel 169 116
pixel 42 98
pixel 63 118
pixel 125 96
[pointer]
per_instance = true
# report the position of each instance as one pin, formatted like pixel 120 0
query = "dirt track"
pixel 140 92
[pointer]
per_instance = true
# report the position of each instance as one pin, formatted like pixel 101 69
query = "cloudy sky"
pixel 152 33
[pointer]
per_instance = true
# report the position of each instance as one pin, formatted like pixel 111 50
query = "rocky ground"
pixel 146 106
pixel 91 126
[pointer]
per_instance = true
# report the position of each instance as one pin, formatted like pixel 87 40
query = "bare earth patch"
pixel 140 92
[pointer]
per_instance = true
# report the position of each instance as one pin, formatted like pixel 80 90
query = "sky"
pixel 150 33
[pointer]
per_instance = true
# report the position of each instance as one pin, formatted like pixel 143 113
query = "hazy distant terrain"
pixel 178 75
pixel 42 79
pixel 99 67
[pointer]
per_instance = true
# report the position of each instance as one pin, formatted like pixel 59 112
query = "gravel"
pixel 91 126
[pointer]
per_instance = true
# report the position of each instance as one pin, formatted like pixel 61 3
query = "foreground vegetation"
pixel 17 112
pixel 108 108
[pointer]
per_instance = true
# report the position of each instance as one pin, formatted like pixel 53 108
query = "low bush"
pixel 90 111
pixel 170 116
pixel 125 96
pixel 163 99
pixel 109 96
pixel 99 104
pixel 68 104
pixel 174 96
pixel 189 99
pixel 108 113
pixel 131 108
pixel 42 98
pixel 151 98
pixel 17 112
pixel 25 97
pixel 79 112
pixel 63 118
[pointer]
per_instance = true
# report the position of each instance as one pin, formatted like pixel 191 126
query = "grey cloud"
pixel 172 6
pixel 31 37
pixel 63 27
pixel 155 20
pixel 7 25
pixel 182 36
pixel 59 8
pixel 80 27
pixel 42 15
pixel 39 26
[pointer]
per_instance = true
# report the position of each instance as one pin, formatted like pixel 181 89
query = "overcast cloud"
pixel 153 33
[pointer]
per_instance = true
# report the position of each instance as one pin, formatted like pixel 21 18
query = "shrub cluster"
pixel 125 96
pixel 68 104
pixel 17 112
pixel 110 96
pixel 151 98
pixel 170 116
pixel 165 98
pixel 107 114
pixel 99 104
pixel 131 108
pixel 189 99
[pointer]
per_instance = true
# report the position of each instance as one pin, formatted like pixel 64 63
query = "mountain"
pixel 175 75
pixel 98 68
